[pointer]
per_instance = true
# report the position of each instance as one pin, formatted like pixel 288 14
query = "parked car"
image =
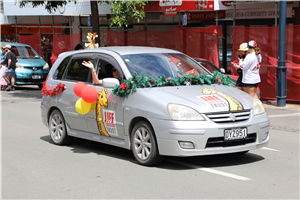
pixel 211 67
pixel 154 119
pixel 31 69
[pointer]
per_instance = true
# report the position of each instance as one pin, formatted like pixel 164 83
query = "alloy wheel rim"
pixel 142 143
pixel 57 127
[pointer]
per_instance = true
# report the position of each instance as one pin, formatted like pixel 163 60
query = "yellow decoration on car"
pixel 91 38
pixel 102 101
pixel 234 104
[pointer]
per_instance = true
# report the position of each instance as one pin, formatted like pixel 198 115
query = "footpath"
pixel 273 104
pixel 286 118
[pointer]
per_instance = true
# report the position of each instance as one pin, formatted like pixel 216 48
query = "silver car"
pixel 157 115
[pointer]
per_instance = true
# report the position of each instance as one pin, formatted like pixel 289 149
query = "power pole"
pixel 95 20
pixel 281 71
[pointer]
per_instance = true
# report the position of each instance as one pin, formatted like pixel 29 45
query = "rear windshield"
pixel 167 64
pixel 24 52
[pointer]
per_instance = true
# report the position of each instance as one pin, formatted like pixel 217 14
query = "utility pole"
pixel 281 71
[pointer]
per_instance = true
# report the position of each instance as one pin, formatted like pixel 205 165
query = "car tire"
pixel 57 128
pixel 143 144
pixel 40 86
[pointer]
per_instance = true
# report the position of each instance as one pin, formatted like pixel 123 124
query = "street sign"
pixel 89 21
pixel 184 20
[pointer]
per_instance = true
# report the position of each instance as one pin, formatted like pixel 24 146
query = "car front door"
pixel 106 115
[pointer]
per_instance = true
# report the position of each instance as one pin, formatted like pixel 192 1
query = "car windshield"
pixel 24 52
pixel 167 64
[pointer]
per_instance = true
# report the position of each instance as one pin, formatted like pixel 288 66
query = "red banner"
pixel 195 42
pixel 267 40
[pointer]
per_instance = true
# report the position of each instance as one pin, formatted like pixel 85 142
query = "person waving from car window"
pixel 114 72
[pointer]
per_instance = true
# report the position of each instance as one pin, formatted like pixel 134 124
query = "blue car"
pixel 31 69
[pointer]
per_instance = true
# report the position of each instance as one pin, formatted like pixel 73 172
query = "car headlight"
pixel 258 108
pixel 19 66
pixel 46 66
pixel 183 113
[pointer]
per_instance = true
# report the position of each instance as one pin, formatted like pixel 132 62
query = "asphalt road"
pixel 34 168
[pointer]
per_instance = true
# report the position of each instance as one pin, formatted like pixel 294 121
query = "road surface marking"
pixel 212 171
pixel 284 115
pixel 266 148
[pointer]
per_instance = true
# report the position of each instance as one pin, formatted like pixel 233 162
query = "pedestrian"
pixel 244 49
pixel 10 70
pixel 3 67
pixel 251 66
pixel 78 47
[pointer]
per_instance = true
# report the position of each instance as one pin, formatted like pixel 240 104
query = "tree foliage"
pixel 122 10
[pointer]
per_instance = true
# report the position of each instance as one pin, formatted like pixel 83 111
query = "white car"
pixel 165 104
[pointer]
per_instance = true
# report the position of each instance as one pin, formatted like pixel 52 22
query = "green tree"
pixel 121 10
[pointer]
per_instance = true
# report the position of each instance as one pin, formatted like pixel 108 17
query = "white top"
pixel 241 63
pixel 251 68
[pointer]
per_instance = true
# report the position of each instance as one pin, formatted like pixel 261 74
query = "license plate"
pixel 235 134
pixel 36 76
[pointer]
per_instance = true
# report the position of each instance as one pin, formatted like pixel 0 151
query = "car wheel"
pixel 143 144
pixel 57 128
pixel 40 86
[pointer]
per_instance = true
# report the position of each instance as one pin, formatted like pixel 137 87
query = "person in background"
pixel 10 70
pixel 78 47
pixel 251 66
pixel 244 49
pixel 3 67
pixel 114 72
pixel 106 44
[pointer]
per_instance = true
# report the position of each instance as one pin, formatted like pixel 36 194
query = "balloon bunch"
pixel 87 94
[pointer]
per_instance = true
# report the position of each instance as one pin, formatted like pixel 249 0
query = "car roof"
pixel 14 44
pixel 125 50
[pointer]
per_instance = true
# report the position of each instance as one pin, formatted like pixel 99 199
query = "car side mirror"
pixel 222 70
pixel 110 82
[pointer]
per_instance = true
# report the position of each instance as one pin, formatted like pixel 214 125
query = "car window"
pixel 105 67
pixel 61 68
pixel 209 67
pixel 77 72
pixel 24 52
pixel 167 64
pixel 105 70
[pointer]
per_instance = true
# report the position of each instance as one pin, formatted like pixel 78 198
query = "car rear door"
pixel 74 73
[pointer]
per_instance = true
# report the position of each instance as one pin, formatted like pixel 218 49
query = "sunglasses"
pixel 114 70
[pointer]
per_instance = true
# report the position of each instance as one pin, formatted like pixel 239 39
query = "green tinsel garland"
pixel 131 84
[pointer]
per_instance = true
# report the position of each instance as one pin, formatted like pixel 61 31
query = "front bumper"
pixel 169 133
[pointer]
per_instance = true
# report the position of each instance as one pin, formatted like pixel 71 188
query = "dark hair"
pixel 78 46
pixel 257 50
pixel 106 44
pixel 108 70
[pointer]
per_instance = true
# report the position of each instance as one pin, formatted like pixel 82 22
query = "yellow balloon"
pixel 82 107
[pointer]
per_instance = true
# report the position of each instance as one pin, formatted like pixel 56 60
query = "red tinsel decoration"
pixel 58 89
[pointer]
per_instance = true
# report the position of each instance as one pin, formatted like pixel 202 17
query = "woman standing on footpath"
pixel 244 49
pixel 251 66
pixel 3 67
